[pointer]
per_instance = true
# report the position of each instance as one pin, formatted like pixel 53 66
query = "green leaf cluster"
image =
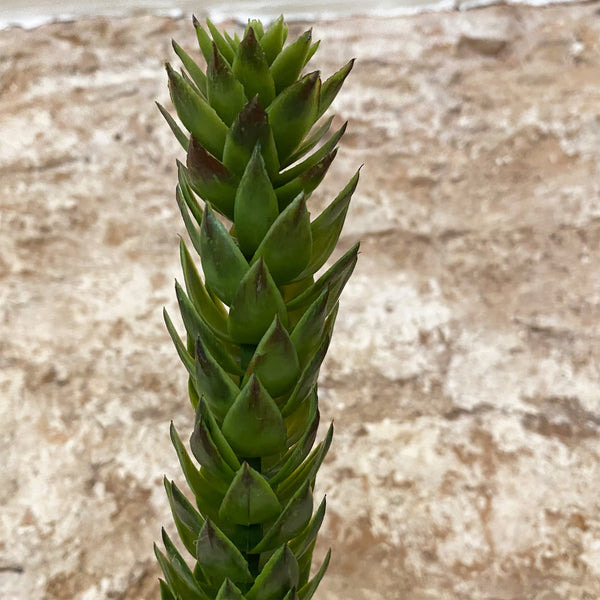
pixel 259 319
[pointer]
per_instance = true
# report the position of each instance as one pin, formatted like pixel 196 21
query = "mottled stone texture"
pixel 464 376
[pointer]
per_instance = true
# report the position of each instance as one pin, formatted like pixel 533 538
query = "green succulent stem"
pixel 259 319
pixel 246 353
pixel 256 532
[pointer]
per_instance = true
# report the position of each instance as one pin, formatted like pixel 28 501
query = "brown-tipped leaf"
pixel 294 112
pixel 254 305
pixel 256 206
pixel 307 333
pixel 306 182
pixel 229 591
pixel 210 178
pixel 288 64
pixel 225 92
pixel 287 246
pixel 332 86
pixel 254 426
pixel 250 127
pixel 326 228
pixel 196 114
pixel 213 382
pixel 219 558
pixel 250 66
pixel 196 73
pixel 334 279
pixel 223 263
pixel 249 499
pixel 291 521
pixel 275 361
pixel 278 576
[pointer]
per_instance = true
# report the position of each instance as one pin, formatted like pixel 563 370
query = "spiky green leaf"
pixel 249 499
pixel 253 425
pixel 211 311
pixel 289 63
pixel 181 136
pixel 307 471
pixel 196 73
pixel 184 355
pixel 225 92
pixel 229 591
pixel 223 263
pixel 308 379
pixel 277 577
pixel 306 592
pixel 197 327
pixel 165 592
pixel 286 247
pixel 307 334
pixel 250 127
pixel 334 279
pixel 196 114
pixel 206 451
pixel 326 228
pixel 302 542
pixel 218 557
pixel 256 206
pixel 254 305
pixel 302 446
pixel 210 178
pixel 313 159
pixel 213 382
pixel 187 519
pixel 250 66
pixel 332 86
pixel 272 40
pixel 294 112
pixel 291 521
pixel 306 182
pixel 275 361
pixel 222 44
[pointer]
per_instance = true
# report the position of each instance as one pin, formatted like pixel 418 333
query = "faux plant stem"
pixel 259 321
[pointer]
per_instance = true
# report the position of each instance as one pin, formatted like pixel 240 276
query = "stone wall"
pixel 464 375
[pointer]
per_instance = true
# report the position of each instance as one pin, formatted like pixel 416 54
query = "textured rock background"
pixel 464 374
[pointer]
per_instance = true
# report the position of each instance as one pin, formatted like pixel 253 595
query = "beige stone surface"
pixel 464 376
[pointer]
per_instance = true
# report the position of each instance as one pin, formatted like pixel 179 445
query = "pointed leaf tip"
pixel 229 591
pixel 254 305
pixel 278 576
pixel 275 361
pixel 219 558
pixel 223 263
pixel 250 66
pixel 286 248
pixel 196 114
pixel 256 206
pixel 254 425
pixel 249 499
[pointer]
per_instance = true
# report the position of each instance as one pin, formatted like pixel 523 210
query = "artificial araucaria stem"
pixel 259 321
